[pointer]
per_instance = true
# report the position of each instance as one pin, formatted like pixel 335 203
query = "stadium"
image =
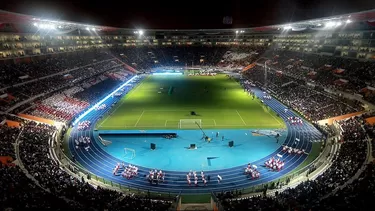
pixel 277 117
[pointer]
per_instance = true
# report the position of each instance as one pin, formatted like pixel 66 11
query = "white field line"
pixel 241 118
pixel 139 118
pixel 215 122
pixel 162 126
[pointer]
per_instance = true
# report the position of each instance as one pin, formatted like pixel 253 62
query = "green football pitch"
pixel 166 102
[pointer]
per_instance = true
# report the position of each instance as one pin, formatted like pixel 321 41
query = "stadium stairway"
pixel 100 163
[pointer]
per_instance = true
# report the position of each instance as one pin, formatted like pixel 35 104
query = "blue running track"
pixel 100 163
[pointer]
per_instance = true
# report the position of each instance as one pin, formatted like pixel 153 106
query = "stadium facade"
pixel 349 35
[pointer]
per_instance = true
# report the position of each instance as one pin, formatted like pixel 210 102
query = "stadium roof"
pixel 332 21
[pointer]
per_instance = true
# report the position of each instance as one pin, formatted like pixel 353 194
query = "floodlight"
pixel 140 32
pixel 330 24
pixel 87 28
pixel 236 32
pixel 93 29
pixel 338 23
pixel 35 24
pixel 348 21
pixel 287 27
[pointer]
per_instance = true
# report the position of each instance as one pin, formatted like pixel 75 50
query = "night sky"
pixel 182 14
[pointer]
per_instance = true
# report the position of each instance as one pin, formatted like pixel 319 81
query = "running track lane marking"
pixel 139 118
pixel 241 118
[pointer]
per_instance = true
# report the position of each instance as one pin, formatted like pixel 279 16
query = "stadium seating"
pixel 312 103
pixel 68 85
pixel 58 191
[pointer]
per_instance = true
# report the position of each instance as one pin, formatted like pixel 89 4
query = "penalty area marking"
pixel 241 117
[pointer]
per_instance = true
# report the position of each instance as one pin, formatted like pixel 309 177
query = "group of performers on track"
pixel 129 171
pixel 83 141
pixel 84 125
pixel 295 120
pixel 156 176
pixel 193 175
pixel 100 107
pixel 274 164
pixel 252 171
pixel 292 150
pixel 267 97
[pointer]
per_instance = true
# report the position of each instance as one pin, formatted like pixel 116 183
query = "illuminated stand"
pixel 104 99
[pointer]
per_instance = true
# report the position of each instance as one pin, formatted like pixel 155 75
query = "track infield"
pixel 161 102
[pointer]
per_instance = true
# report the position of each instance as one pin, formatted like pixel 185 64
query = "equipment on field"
pixel 129 153
pixel 104 142
pixel 193 146
pixel 190 123
pixel 230 144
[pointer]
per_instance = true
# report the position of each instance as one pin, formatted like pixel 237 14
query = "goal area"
pixel 129 153
pixel 190 123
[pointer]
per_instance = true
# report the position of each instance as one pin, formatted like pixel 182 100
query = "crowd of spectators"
pixel 8 136
pixel 60 79
pixel 241 56
pixel 59 107
pixel 94 92
pixel 309 194
pixel 350 75
pixel 58 82
pixel 34 153
pixel 148 58
pixel 20 193
pixel 313 104
pixel 66 104
pixel 11 73
pixel 61 191
pixel 232 57
pixel 358 195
